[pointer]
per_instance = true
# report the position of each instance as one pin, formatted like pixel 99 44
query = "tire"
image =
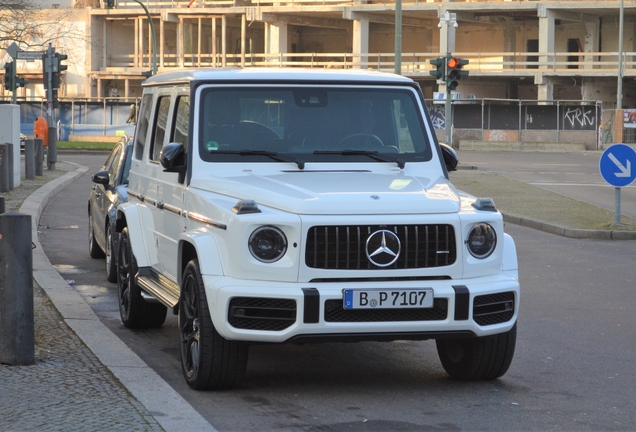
pixel 208 361
pixel 93 248
pixel 478 359
pixel 111 262
pixel 135 312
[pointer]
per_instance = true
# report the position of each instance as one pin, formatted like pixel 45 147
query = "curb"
pixel 568 232
pixel 168 407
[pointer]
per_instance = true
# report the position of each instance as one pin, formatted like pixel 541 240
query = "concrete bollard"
pixel 17 328
pixel 52 155
pixel 29 159
pixel 39 156
pixel 4 168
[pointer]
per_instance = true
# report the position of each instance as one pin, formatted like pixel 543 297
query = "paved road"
pixel 572 370
pixel 572 174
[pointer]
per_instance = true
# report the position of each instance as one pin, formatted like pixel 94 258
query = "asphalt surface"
pixel 84 378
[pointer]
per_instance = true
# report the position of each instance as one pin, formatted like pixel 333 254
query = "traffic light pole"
pixel 448 124
pixel 14 99
pixel 49 80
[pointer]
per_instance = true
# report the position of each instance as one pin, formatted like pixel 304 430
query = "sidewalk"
pixel 84 378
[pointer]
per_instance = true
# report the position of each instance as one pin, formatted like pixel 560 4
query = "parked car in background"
pixel 110 190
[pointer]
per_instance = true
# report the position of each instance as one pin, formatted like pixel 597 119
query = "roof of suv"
pixel 275 74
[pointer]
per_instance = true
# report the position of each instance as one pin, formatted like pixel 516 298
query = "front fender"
pixel 509 262
pixel 206 249
pixel 129 215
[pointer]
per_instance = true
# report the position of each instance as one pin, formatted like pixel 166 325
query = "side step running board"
pixel 166 291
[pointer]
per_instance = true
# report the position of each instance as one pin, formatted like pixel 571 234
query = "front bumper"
pixel 271 312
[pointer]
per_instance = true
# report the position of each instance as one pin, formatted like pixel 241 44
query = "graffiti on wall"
pixel 579 118
pixel 438 116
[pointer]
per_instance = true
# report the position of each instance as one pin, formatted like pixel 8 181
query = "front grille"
pixel 334 312
pixel 252 313
pixel 494 308
pixel 344 247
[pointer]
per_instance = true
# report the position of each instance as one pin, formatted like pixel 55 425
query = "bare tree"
pixel 28 25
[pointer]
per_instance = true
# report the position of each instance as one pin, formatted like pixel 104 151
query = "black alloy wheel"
pixel 208 361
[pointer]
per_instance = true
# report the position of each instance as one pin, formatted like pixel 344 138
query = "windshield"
pixel 313 123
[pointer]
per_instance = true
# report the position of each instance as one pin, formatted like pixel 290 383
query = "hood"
pixel 339 192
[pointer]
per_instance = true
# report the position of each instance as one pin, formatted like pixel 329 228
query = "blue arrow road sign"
pixel 618 165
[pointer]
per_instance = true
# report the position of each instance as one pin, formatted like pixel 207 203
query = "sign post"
pixel 615 166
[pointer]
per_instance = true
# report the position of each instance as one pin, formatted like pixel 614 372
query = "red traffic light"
pixel 452 63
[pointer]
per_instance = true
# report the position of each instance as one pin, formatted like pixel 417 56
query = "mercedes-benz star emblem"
pixel 383 248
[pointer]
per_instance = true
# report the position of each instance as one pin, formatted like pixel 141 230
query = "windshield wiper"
pixel 380 157
pixel 270 154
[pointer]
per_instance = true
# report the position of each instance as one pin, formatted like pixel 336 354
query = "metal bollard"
pixel 39 157
pixel 29 159
pixel 11 167
pixel 1 205
pixel 17 328
pixel 52 155
pixel 4 168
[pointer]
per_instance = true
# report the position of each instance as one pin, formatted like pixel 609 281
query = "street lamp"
pixel 152 36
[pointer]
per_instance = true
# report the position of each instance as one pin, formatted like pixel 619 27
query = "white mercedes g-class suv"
pixel 295 206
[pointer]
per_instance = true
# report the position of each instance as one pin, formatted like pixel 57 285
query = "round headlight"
pixel 268 244
pixel 482 240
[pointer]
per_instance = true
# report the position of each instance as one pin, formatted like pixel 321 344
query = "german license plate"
pixel 388 298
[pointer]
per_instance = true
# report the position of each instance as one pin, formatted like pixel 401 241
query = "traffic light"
pixel 9 76
pixel 21 82
pixel 55 80
pixel 57 60
pixel 439 62
pixel 454 72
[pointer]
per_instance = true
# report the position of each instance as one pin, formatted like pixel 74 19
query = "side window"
pixel 113 169
pixel 142 125
pixel 181 121
pixel 159 133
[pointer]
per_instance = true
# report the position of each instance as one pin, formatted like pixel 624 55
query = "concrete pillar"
pixel 199 30
pixel 10 133
pixel 214 59
pixel 243 37
pixel 509 42
pixel 275 37
pixel 223 41
pixel 137 47
pixel 180 42
pixel 361 39
pixel 546 37
pixel 592 29
pixel 162 33
pixel 545 88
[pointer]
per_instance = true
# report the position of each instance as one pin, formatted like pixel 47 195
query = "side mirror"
pixel 450 157
pixel 101 177
pixel 173 159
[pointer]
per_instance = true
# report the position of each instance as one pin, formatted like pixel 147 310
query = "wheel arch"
pixel 194 244
pixel 128 215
